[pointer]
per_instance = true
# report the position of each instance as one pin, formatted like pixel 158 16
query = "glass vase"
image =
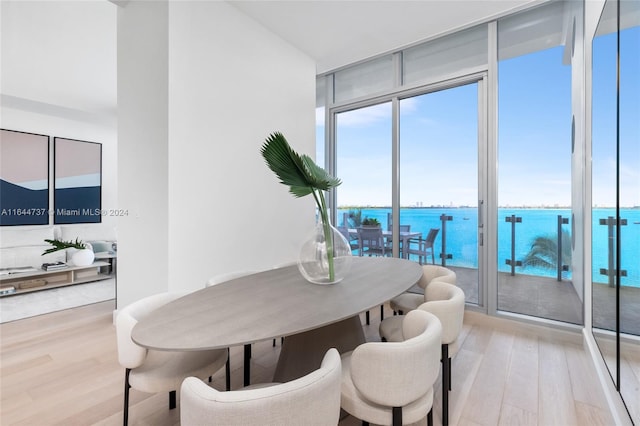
pixel 315 263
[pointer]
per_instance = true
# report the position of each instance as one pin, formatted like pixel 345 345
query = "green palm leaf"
pixel 544 252
pixel 300 173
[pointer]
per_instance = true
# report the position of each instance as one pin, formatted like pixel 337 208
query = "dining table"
pixel 279 303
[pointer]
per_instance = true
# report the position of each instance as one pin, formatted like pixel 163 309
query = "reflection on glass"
pixel 629 187
pixel 534 166
pixel 603 178
pixel 616 196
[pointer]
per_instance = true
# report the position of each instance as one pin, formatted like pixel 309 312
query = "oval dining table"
pixel 279 303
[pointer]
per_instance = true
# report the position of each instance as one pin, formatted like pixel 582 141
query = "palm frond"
pixel 61 245
pixel 544 252
pixel 300 173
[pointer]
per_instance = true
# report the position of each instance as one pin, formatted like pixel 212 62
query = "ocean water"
pixel 461 236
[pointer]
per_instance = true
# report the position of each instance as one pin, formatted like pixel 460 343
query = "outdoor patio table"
pixel 311 317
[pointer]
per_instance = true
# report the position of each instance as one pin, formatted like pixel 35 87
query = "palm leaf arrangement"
pixel 304 177
pixel 61 245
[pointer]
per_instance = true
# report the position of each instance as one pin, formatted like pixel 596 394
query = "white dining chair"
pixel 445 301
pixel 408 301
pixel 392 383
pixel 158 371
pixel 313 400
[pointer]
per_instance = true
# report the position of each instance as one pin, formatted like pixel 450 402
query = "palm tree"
pixel 355 218
pixel 544 252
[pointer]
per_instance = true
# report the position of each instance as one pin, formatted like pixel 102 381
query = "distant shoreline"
pixel 474 207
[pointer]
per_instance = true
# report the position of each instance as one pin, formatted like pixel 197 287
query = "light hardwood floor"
pixel 62 369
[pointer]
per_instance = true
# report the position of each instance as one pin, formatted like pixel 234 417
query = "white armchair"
pixel 445 301
pixel 158 371
pixel 408 301
pixel 392 383
pixel 313 399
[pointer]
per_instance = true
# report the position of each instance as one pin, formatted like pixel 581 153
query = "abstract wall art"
pixel 24 178
pixel 77 181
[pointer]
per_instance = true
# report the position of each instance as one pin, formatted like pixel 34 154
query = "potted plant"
pixel 78 251
pixel 304 177
pixel 371 222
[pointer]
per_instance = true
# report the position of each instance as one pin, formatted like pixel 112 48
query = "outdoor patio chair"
pixel 423 247
pixel 371 242
pixel 353 241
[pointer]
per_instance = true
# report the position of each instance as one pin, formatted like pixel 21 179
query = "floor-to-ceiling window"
pixel 534 258
pixel 415 132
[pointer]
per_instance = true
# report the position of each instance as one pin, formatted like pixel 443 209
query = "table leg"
pixel 302 353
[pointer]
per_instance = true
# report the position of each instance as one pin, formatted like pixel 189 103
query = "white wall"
pixel 143 235
pixel 230 83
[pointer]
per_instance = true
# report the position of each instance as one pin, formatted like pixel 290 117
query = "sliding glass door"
pixel 439 184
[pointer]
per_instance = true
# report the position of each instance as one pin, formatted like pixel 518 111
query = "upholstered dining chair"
pixel 392 383
pixel 313 399
pixel 445 301
pixel 219 279
pixel 158 371
pixel 408 301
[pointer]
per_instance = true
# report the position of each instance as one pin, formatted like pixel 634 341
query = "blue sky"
pixel 438 137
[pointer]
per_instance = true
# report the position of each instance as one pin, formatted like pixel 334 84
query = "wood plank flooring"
pixel 62 369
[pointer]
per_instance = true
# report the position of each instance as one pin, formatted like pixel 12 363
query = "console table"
pixel 38 279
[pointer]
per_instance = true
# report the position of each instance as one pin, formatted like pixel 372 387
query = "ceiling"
pixel 61 55
pixel 337 33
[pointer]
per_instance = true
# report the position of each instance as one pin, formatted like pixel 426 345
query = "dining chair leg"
pixel 397 416
pixel 125 410
pixel 274 343
pixel 381 312
pixel 172 400
pixel 227 371
pixel 367 318
pixel 445 385
pixel 247 364
pixel 450 377
pixel 430 417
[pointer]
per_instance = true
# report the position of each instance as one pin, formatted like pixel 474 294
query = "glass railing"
pixel 530 241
